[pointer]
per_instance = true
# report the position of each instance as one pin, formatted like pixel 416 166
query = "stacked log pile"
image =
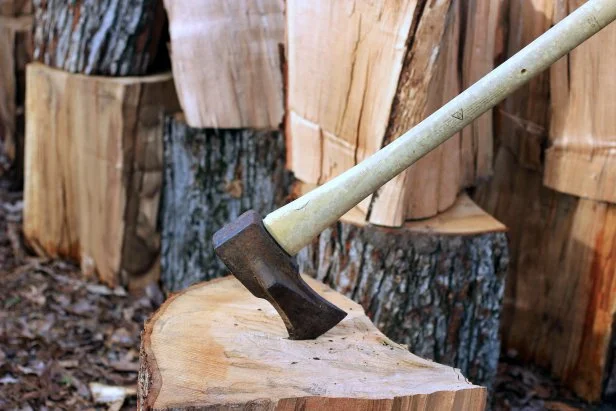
pixel 93 158
pixel 555 173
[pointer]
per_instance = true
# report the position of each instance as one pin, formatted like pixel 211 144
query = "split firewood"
pixel 94 170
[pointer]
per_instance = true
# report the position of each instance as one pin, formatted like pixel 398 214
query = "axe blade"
pixel 268 272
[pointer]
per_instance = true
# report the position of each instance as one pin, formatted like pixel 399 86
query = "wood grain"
pixel 581 159
pixel 94 170
pixel 381 69
pixel 227 62
pixel 217 347
pixel 561 289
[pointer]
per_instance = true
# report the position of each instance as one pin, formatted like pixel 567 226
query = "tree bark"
pixel 110 37
pixel 211 177
pixel 217 347
pixel 94 169
pixel 435 285
pixel 15 53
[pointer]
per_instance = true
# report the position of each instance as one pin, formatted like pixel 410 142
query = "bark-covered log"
pixel 93 170
pixel 211 177
pixel 104 37
pixel 217 347
pixel 15 53
pixel 435 285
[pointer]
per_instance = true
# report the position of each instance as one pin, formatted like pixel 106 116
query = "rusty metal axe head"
pixel 268 272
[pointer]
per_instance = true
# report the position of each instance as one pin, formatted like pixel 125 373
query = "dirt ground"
pixel 61 335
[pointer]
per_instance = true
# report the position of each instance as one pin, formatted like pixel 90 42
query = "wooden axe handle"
pixel 297 223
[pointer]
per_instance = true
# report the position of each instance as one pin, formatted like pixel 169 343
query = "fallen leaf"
pixel 8 379
pixel 108 393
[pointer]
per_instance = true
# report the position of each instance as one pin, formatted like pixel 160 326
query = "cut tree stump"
pixel 93 169
pixel 227 62
pixel 381 69
pixel 211 177
pixel 112 38
pixel 15 53
pixel 435 285
pixel 217 347
pixel 560 299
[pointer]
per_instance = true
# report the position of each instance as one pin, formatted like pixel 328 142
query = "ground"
pixel 61 333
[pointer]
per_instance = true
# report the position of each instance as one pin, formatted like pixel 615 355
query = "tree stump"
pixel 211 177
pixel 113 38
pixel 15 53
pixel 217 347
pixel 435 285
pixel 93 170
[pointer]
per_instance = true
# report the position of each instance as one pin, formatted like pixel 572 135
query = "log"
pixel 561 294
pixel 217 347
pixel 435 285
pixel 234 51
pixel 112 38
pixel 15 53
pixel 211 177
pixel 560 298
pixel 381 69
pixel 581 159
pixel 93 167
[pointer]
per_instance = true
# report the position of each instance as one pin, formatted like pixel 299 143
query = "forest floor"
pixel 71 343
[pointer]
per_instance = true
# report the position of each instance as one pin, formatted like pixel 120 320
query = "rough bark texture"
pixel 93 167
pixel 439 294
pixel 211 177
pixel 15 53
pixel 217 347
pixel 105 37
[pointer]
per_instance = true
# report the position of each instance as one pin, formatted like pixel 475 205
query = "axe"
pixel 259 251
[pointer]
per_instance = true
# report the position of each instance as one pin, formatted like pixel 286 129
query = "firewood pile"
pixel 131 131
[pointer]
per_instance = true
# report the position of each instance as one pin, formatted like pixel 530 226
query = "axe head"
pixel 256 259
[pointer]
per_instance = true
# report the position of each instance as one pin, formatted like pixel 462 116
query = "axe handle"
pixel 297 223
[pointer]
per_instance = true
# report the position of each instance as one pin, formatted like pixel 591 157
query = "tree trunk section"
pixel 110 37
pixel 15 53
pixel 381 68
pixel 93 167
pixel 211 177
pixel 234 51
pixel 217 347
pixel 435 285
